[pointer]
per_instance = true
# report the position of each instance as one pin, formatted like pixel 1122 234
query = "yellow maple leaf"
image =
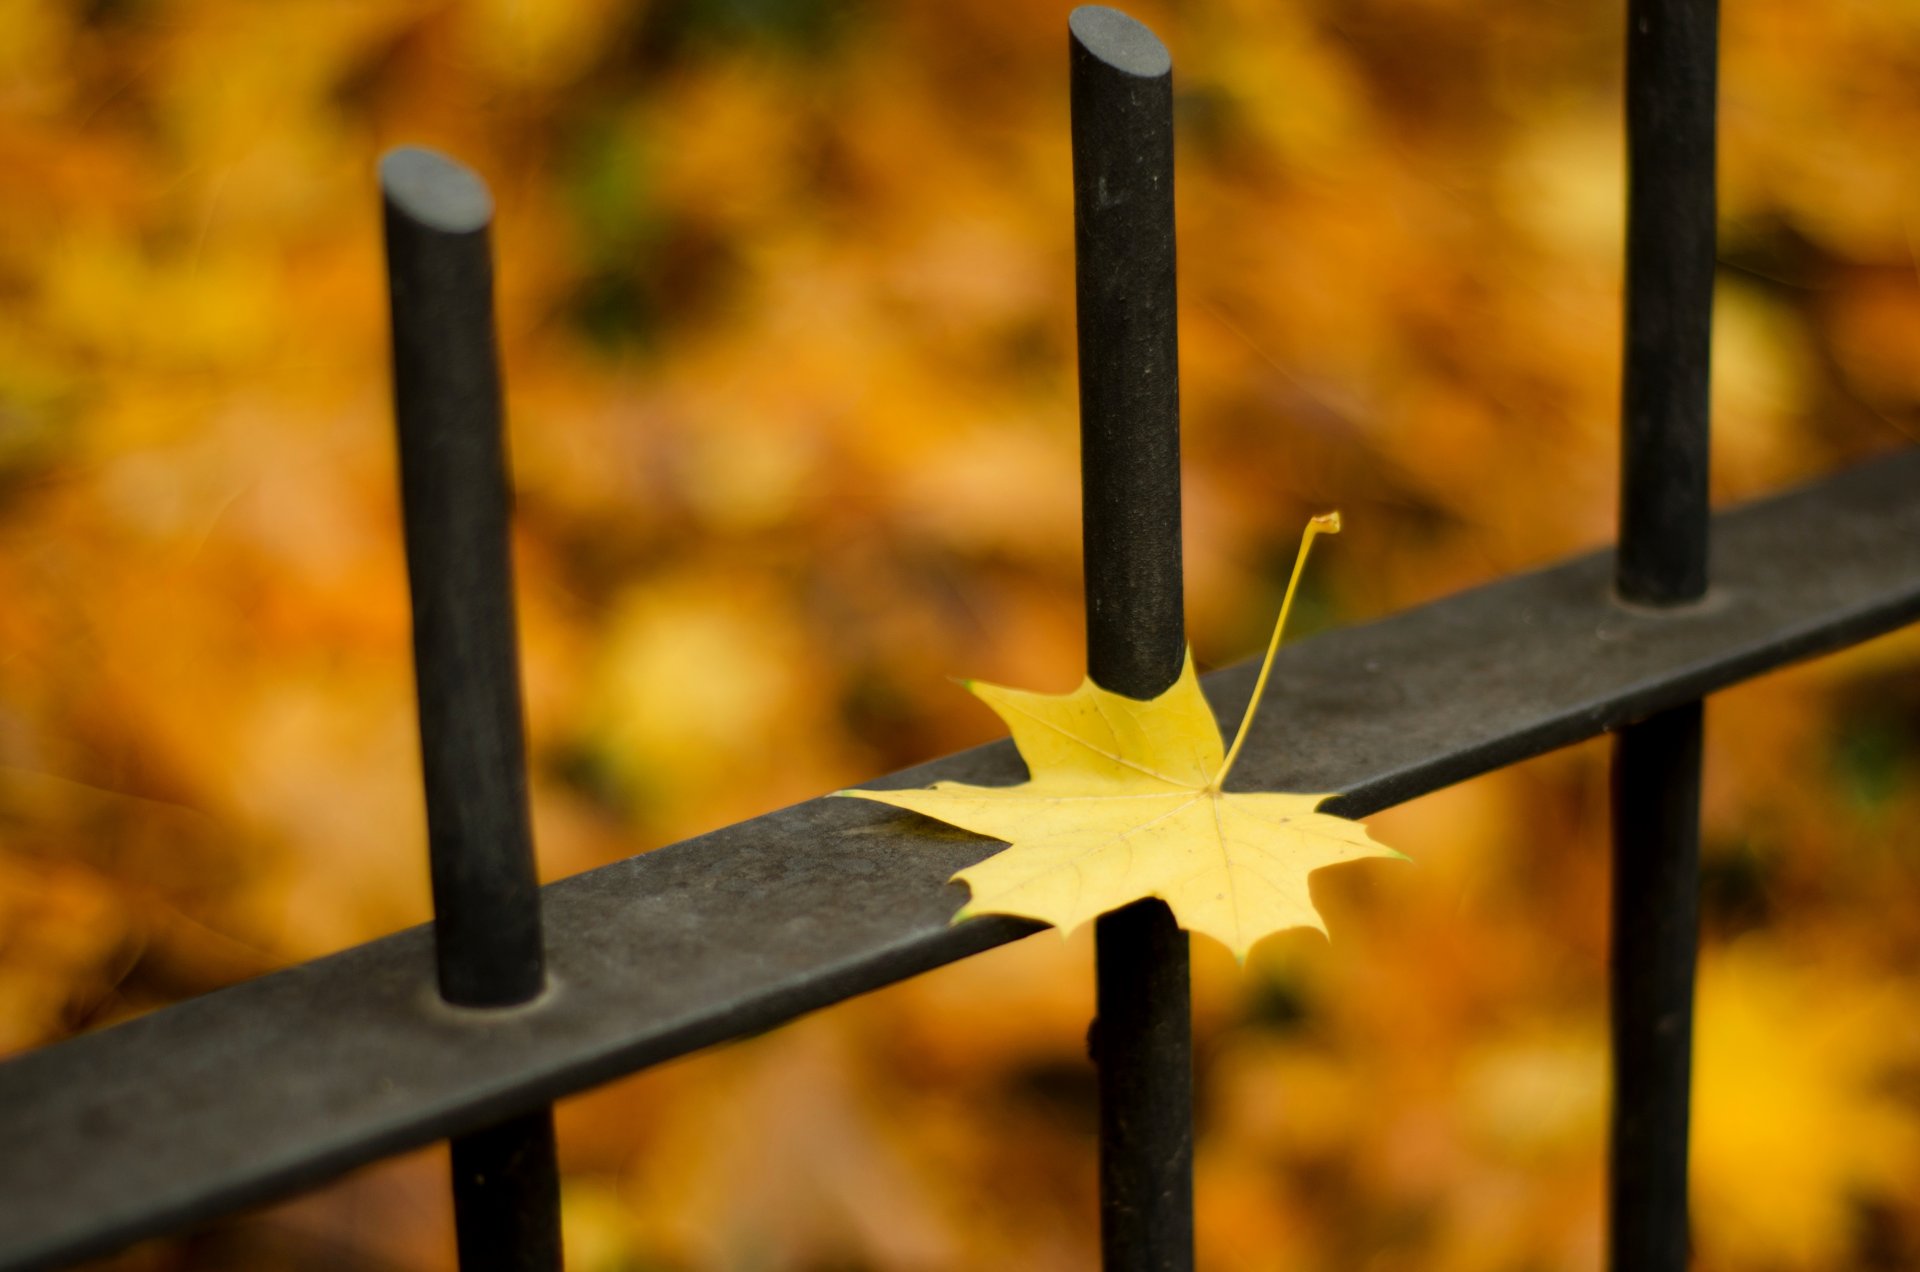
pixel 1125 801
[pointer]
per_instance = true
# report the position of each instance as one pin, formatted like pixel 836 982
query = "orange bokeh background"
pixel 786 317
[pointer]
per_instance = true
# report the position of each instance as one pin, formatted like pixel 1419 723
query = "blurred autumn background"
pixel 786 311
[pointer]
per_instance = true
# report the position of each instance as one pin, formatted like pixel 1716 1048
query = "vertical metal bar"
pixel 506 1196
pixel 486 896
pixel 1672 51
pixel 1656 818
pixel 454 497
pixel 1121 86
pixel 1672 59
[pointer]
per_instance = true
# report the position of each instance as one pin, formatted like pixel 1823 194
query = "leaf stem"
pixel 1325 523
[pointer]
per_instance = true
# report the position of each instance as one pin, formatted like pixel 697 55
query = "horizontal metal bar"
pixel 256 1091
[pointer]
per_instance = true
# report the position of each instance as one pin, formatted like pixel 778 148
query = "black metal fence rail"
pixel 254 1092
pixel 260 1090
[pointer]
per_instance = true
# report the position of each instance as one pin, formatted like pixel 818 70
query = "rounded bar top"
pixel 434 191
pixel 1120 41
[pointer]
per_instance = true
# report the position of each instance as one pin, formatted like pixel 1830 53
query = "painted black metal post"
pixel 1672 50
pixel 1122 105
pixel 454 498
pixel 1672 56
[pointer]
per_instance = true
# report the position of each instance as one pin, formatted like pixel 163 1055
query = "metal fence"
pixel 468 1029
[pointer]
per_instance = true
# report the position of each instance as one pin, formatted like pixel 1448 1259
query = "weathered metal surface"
pixel 256 1091
pixel 1672 67
pixel 1655 926
pixel 1121 88
pixel 453 486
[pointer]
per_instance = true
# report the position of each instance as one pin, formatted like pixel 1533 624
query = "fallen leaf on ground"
pixel 1124 801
